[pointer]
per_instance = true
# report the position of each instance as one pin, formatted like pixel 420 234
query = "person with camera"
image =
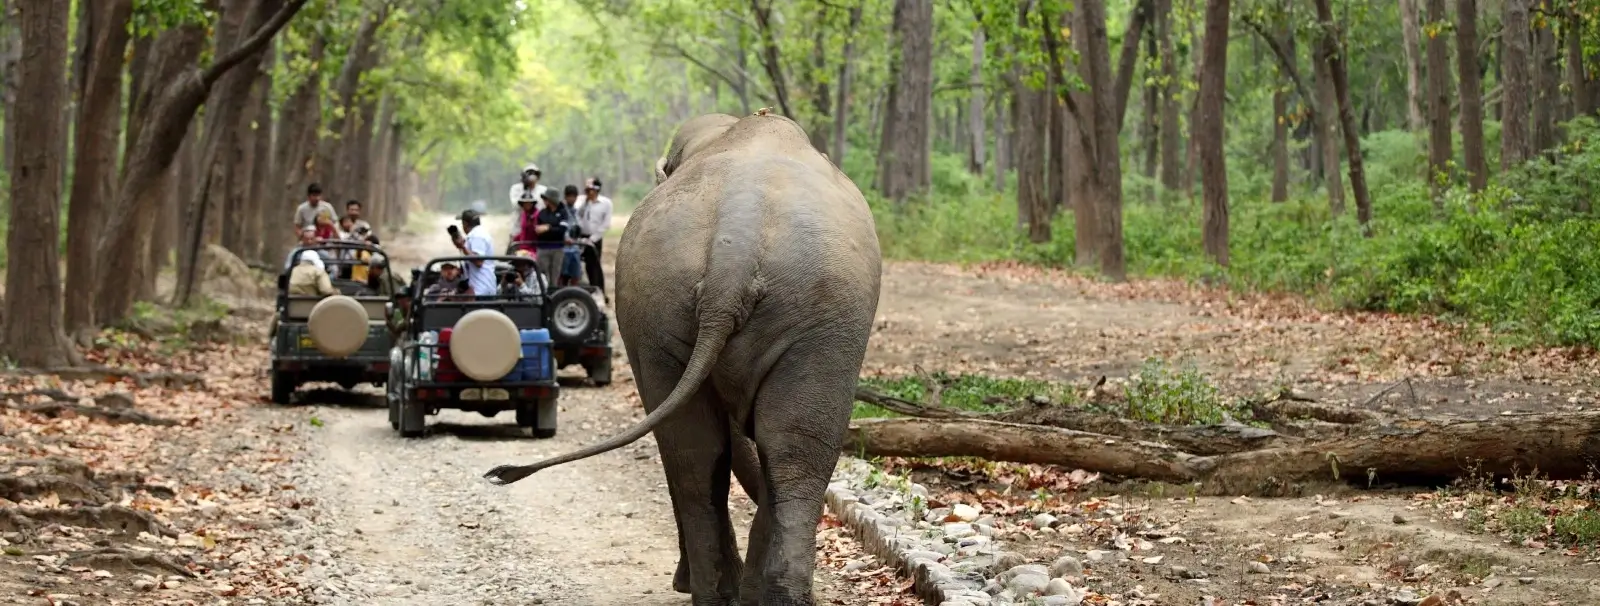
pixel 477 243
pixel 361 230
pixel 519 191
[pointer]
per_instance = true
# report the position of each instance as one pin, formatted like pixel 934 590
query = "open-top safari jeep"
pixel 342 338
pixel 581 327
pixel 486 354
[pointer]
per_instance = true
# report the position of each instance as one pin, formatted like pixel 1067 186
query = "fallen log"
pixel 106 374
pixel 1415 451
pixel 106 517
pixel 1019 443
pixel 1199 440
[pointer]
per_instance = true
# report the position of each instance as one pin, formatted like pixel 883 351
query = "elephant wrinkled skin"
pixel 746 286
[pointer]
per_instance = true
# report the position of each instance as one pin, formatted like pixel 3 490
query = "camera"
pixel 363 230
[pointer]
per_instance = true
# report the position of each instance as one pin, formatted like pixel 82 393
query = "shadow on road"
pixel 500 432
pixel 339 398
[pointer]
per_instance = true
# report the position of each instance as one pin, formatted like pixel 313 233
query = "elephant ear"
pixel 661 170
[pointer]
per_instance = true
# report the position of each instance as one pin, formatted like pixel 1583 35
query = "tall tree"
pixel 1439 153
pixel 95 150
pixel 1327 127
pixel 33 316
pixel 182 88
pixel 976 103
pixel 1516 67
pixel 906 167
pixel 1171 129
pixel 1208 131
pixel 1546 79
pixel 1411 37
pixel 1579 85
pixel 1471 87
pixel 1335 51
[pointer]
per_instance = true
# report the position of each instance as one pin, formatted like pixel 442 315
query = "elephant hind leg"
pixel 746 469
pixel 697 460
pixel 800 412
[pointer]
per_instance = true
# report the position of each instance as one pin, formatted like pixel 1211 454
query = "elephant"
pixel 747 282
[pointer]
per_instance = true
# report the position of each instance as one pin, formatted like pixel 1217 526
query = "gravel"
pixel 953 563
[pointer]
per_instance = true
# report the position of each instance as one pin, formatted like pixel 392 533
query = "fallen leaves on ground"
pixel 95 511
pixel 864 579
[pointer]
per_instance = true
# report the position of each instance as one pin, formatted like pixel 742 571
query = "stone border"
pixel 949 564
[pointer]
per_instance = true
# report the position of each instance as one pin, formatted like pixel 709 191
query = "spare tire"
pixel 338 326
pixel 485 345
pixel 573 314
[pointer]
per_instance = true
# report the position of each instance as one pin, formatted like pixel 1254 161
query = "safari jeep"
pixel 340 339
pixel 580 327
pixel 485 354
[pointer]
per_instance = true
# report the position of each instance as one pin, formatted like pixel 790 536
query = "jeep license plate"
pixel 306 342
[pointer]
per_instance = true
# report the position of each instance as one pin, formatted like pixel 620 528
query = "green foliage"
pixel 1181 396
pixel 965 392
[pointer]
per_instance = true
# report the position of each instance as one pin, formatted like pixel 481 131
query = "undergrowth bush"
pixel 1522 256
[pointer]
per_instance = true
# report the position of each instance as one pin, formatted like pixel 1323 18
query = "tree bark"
pixel 297 146
pixel 1107 173
pixel 33 333
pixel 1439 154
pixel 1328 129
pixel 1515 68
pixel 1033 201
pixel 1171 130
pixel 181 93
pixel 95 152
pixel 1471 92
pixel 263 181
pixel 1546 84
pixel 1578 83
pixel 847 72
pixel 906 169
pixel 1129 58
pixel 1208 122
pixel 1280 146
pixel 357 60
pixel 1411 35
pixel 976 154
pixel 1336 53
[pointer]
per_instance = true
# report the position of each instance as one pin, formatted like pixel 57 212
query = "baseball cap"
pixel 549 195
pixel 531 168
pixel 448 264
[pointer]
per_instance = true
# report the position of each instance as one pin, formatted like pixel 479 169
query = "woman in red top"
pixel 530 219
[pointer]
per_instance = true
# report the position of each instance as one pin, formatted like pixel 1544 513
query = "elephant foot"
pixel 680 578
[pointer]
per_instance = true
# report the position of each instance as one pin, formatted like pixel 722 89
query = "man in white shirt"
pixel 477 243
pixel 529 182
pixel 308 237
pixel 306 214
pixel 594 216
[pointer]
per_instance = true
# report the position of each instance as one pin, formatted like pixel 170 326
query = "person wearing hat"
pixel 477 243
pixel 528 184
pixel 524 223
pixel 527 280
pixel 449 283
pixel 309 278
pixel 381 281
pixel 551 236
pixel 594 216
pixel 314 208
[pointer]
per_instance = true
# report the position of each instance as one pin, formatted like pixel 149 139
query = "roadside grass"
pixel 1162 391
pixel 169 331
pixel 1529 510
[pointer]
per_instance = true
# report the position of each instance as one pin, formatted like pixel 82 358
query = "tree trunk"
pixel 1152 120
pixel 33 316
pixel 1280 146
pixel 1058 162
pixel 1327 127
pixel 976 155
pixel 1471 92
pixel 907 167
pixel 95 152
pixel 1546 84
pixel 1078 150
pixel 1171 130
pixel 1439 153
pixel 1128 60
pixel 296 147
pixel 1002 144
pixel 1107 173
pixel 847 71
pixel 1033 201
pixel 263 180
pixel 1515 67
pixel 1411 35
pixel 1208 121
pixel 223 176
pixel 1578 83
pixel 1336 54
pixel 182 90
pixel 330 152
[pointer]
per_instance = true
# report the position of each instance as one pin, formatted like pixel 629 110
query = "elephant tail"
pixel 707 348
